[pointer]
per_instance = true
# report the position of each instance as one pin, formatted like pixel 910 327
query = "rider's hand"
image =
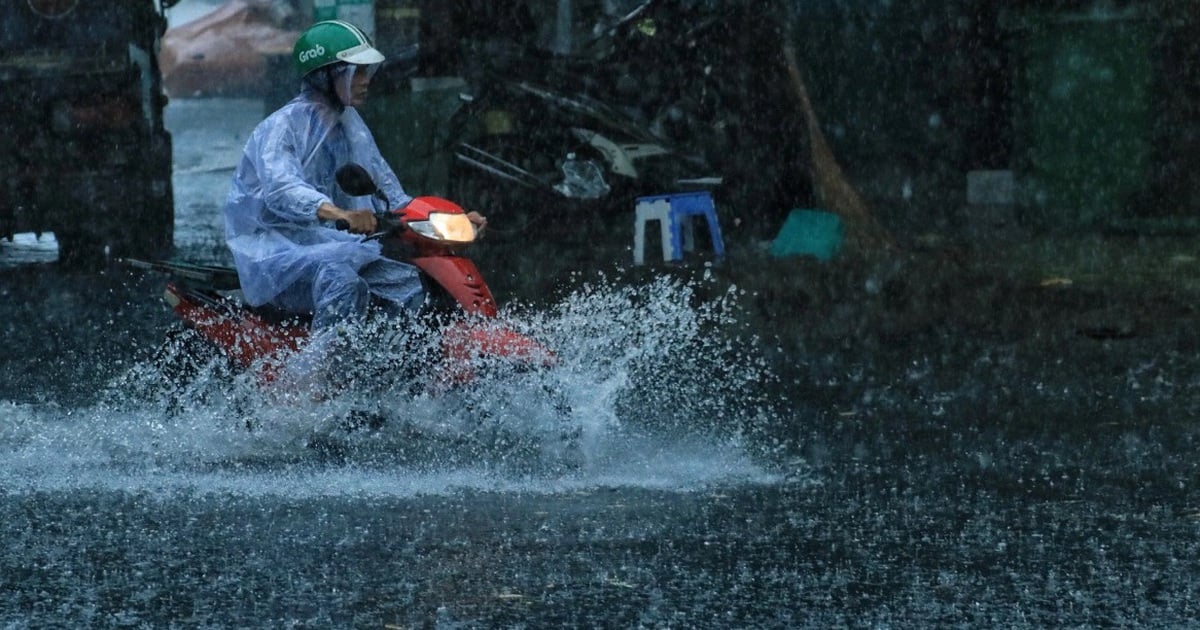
pixel 357 221
pixel 361 221
pixel 480 222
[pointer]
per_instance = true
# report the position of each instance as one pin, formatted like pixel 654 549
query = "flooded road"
pixel 932 480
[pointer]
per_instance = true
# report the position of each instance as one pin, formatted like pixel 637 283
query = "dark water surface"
pixel 1044 534
pixel 934 479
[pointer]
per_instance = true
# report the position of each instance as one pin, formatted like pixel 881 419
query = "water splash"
pixel 650 389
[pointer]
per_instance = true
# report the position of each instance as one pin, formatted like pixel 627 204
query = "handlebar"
pixel 386 221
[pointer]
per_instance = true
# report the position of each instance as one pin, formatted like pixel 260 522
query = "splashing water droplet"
pixel 651 386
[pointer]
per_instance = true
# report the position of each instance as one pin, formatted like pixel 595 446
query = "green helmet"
pixel 332 41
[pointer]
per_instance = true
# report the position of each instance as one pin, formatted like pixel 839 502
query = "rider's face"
pixel 359 84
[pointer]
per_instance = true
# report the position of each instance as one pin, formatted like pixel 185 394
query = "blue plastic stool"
pixel 675 212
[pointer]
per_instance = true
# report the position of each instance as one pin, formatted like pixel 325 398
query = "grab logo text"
pixel 311 53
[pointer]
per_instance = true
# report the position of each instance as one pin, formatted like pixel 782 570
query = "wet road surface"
pixel 972 482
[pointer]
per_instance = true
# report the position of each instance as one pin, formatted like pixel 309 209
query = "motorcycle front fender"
pixel 461 279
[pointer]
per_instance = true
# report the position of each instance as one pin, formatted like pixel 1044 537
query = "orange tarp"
pixel 223 52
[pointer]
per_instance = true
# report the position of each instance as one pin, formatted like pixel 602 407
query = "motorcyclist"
pixel 284 203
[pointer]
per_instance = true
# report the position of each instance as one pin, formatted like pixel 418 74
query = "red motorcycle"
pixel 429 232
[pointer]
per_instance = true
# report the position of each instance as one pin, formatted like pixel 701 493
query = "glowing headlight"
pixel 455 228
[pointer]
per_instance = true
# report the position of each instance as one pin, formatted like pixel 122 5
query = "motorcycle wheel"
pixel 543 451
pixel 181 361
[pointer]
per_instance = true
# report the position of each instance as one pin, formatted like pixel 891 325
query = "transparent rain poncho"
pixel 284 255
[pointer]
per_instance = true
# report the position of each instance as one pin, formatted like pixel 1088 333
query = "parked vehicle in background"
pixel 83 150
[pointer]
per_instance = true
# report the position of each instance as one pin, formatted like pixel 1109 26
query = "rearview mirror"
pixel 355 180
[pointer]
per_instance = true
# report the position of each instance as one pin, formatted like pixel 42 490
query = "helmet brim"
pixel 363 55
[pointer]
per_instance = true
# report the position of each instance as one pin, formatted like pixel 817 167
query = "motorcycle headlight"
pixel 441 226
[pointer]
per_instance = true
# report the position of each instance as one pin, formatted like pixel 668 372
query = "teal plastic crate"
pixel 809 233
